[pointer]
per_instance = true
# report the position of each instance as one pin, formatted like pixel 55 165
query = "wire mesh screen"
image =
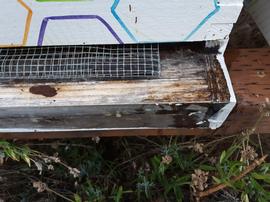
pixel 81 62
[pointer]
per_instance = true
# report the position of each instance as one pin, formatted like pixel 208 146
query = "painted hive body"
pixel 189 86
pixel 67 22
pixel 259 10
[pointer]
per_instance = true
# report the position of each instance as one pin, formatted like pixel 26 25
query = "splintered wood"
pixel 191 88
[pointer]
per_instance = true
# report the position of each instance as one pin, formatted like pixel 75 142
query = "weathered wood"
pixel 103 93
pixel 249 70
pixel 186 76
pixel 107 117
pixel 250 74
pixel 191 89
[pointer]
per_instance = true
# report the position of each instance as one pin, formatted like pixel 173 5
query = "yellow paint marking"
pixel 26 29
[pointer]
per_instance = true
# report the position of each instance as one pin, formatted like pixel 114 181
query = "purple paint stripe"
pixel 74 17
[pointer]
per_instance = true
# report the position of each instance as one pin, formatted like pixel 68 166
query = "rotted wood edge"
pixel 177 94
pixel 220 117
pixel 187 76
pixel 103 93
pixel 192 115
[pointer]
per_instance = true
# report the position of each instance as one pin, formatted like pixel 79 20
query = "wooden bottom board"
pixel 190 90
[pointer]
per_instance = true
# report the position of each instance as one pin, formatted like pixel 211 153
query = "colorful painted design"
pixel 75 17
pixel 27 26
pixel 28 21
pixel 61 0
pixel 204 21
pixel 113 10
pixel 126 21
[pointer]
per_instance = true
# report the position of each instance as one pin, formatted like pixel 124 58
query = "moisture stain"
pixel 44 90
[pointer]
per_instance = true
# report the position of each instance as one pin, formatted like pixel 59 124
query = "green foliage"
pixel 93 193
pixel 118 194
pixel 144 169
pixel 252 187
pixel 8 150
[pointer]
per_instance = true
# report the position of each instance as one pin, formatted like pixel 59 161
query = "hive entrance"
pixel 80 62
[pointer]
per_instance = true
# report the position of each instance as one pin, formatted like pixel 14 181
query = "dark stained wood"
pixel 108 117
pixel 250 73
pixel 191 89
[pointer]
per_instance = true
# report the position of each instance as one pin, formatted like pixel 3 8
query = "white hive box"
pixel 60 22
pixel 55 87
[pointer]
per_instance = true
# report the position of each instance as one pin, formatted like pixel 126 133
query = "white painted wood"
pixel 104 93
pixel 260 11
pixel 46 22
pixel 220 117
pixel 192 87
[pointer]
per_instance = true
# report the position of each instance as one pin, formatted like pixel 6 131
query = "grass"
pixel 209 168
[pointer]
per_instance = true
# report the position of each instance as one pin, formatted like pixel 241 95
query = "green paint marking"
pixel 61 0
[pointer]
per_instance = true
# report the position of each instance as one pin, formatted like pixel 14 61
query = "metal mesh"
pixel 80 62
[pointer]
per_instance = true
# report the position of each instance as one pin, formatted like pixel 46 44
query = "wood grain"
pixel 249 70
pixel 190 90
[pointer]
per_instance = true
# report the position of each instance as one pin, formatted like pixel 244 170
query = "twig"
pixel 58 194
pixel 60 144
pixel 260 144
pixel 220 139
pixel 219 187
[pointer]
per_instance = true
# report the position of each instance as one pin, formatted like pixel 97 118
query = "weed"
pixel 209 168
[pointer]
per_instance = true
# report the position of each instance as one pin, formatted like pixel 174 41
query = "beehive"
pixel 78 22
pixel 105 65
